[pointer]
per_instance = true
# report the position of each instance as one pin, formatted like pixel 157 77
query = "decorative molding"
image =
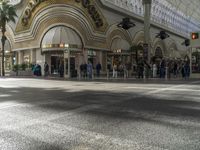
pixel 86 6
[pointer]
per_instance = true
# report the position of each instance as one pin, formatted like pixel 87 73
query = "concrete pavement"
pixel 39 114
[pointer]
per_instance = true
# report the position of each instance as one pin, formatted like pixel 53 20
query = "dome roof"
pixel 60 37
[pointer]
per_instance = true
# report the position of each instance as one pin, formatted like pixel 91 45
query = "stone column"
pixel 67 61
pixel 33 56
pixel 20 57
pixel 147 24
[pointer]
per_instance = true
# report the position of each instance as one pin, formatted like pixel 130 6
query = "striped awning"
pixel 61 38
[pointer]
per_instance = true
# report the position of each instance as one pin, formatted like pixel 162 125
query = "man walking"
pixel 46 69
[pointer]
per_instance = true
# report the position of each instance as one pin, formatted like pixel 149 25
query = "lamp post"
pixel 67 55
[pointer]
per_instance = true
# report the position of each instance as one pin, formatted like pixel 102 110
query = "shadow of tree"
pixel 124 105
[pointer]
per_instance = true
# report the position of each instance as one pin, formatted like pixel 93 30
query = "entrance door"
pixel 73 71
pixel 56 62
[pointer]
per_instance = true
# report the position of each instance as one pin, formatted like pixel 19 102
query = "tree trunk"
pixel 3 52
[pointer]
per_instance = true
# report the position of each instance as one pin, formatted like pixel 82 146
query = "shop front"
pixel 62 48
pixel 120 53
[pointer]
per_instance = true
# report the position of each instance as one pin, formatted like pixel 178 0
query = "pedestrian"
pixel 175 69
pixel 187 70
pixel 98 69
pixel 182 71
pixel 140 69
pixel 85 70
pixel 154 70
pixel 61 69
pixel 114 71
pixel 162 69
pixel 89 70
pixel 46 69
pixel 82 70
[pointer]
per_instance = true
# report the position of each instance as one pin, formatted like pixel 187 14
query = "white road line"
pixel 170 88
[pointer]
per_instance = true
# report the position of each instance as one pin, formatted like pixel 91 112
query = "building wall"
pixel 71 14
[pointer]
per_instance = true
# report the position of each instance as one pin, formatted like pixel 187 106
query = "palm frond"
pixel 7 13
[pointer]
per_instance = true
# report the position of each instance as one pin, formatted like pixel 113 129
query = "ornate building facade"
pixel 74 32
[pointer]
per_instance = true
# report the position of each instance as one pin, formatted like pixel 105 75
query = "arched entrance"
pixel 62 47
pixel 119 54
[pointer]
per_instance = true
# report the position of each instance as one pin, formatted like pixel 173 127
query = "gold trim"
pixel 92 12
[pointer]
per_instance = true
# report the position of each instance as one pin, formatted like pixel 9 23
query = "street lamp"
pixel 67 55
pixel 126 24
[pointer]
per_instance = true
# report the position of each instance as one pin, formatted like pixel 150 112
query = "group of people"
pixel 86 70
pixel 123 70
pixel 37 69
pixel 167 69
pixel 162 70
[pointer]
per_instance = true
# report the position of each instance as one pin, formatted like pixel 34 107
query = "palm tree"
pixel 7 13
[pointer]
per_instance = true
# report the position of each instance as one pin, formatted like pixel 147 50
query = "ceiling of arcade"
pixel 188 7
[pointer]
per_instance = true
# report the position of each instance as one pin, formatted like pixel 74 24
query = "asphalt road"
pixel 39 114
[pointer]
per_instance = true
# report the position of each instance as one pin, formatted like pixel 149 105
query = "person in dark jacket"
pixel 187 70
pixel 46 69
pixel 98 69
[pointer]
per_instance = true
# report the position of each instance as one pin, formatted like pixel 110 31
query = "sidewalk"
pixel 111 79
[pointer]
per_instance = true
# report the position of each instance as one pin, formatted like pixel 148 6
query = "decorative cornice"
pixel 86 6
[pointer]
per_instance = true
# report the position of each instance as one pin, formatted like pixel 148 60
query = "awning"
pixel 61 38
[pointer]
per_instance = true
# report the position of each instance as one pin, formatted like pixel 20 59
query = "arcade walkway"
pixel 39 114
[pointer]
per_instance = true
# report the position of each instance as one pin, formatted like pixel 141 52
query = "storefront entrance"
pixel 73 70
pixel 56 64
pixel 64 48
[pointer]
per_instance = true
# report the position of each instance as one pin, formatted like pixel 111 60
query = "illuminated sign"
pixel 194 35
pixel 194 39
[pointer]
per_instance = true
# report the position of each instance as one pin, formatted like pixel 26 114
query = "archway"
pixel 62 47
pixel 119 51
